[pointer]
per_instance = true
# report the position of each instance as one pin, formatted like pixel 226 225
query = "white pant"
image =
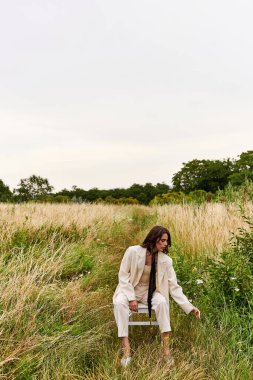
pixel 158 303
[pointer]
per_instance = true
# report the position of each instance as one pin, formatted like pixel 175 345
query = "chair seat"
pixel 142 306
pixel 142 309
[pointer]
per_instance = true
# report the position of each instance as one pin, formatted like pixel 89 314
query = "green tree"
pixel 208 175
pixel 32 188
pixel 162 188
pixel 243 169
pixel 5 193
pixel 143 193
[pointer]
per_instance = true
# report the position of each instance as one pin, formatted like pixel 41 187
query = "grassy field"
pixel 58 272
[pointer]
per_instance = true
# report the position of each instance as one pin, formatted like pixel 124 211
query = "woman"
pixel 146 275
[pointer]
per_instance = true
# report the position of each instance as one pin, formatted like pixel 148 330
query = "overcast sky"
pixel 107 93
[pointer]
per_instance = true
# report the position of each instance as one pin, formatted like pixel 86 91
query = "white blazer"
pixel 131 269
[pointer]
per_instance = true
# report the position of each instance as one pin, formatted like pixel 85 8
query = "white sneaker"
pixel 125 361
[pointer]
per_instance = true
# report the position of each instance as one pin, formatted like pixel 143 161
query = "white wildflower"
pixel 199 281
pixel 237 290
pixel 232 278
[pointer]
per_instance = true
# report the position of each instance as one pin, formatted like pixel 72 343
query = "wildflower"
pixel 232 278
pixel 199 281
pixel 236 289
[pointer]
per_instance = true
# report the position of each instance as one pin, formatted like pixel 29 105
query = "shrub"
pixel 190 273
pixel 123 200
pixel 231 277
pixel 172 197
pixel 200 196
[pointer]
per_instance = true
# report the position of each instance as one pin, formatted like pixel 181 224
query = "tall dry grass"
pixel 204 229
pixel 48 315
pixel 58 271
pixel 81 215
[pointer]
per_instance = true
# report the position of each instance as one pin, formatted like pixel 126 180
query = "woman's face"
pixel 162 242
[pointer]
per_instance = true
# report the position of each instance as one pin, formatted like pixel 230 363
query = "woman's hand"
pixel 196 312
pixel 133 305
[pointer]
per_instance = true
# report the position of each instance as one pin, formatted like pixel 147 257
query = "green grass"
pixel 57 315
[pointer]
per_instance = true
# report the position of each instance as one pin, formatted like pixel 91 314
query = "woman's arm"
pixel 176 292
pixel 124 275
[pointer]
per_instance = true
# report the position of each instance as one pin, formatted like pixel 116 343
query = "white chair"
pixel 142 309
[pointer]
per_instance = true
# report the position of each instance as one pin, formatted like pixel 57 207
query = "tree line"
pixel 197 179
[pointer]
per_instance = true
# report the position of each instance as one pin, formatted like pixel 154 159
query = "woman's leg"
pixel 121 313
pixel 125 346
pixel 165 343
pixel 161 308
